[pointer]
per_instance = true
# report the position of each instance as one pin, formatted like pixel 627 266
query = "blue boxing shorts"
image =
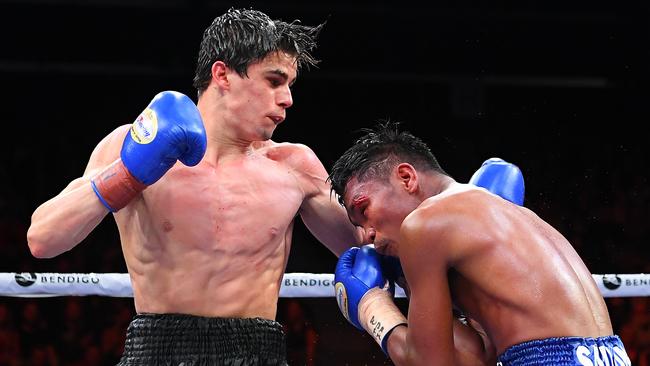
pixel 567 351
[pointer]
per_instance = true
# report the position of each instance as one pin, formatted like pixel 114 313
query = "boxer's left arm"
pixel 321 213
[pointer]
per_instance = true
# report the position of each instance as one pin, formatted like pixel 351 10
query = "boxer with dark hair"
pixel 527 296
pixel 206 241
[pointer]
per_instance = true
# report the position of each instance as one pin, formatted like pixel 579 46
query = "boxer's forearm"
pixel 65 220
pixel 402 353
pixel 397 346
pixel 470 348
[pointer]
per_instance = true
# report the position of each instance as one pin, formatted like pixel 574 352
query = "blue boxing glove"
pixel 169 129
pixel 501 178
pixel 362 296
pixel 357 271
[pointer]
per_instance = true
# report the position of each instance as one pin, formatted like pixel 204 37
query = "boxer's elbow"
pixel 38 251
pixel 41 244
pixel 36 244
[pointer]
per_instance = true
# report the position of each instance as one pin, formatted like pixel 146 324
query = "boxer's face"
pixel 379 207
pixel 259 101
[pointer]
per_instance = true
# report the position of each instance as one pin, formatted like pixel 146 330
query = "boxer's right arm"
pixel 169 129
pixel 363 295
pixel 66 219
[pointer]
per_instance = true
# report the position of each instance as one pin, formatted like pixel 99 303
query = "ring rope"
pixel 32 284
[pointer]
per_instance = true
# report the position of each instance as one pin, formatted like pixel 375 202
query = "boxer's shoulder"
pixel 120 131
pixel 107 150
pixel 114 138
pixel 296 156
pixel 452 223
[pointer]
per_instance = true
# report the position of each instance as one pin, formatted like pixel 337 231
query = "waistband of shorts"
pixel 205 323
pixel 198 340
pixel 567 351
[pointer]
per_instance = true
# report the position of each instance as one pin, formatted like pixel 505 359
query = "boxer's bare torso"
pixel 505 267
pixel 214 239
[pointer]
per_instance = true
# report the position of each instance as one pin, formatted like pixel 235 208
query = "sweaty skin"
pixel 499 263
pixel 213 239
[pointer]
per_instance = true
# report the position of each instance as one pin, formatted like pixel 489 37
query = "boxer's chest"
pixel 257 201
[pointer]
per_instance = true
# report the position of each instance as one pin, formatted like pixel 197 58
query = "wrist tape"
pixel 115 186
pixel 379 315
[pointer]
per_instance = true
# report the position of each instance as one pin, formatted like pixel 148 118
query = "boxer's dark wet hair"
pixel 241 37
pixel 375 154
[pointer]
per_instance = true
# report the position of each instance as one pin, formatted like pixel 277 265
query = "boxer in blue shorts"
pixel 525 295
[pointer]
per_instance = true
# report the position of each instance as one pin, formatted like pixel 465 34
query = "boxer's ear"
pixel 220 74
pixel 407 176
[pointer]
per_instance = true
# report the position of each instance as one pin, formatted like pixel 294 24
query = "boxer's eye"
pixel 362 211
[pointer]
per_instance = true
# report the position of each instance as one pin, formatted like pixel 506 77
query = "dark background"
pixel 558 88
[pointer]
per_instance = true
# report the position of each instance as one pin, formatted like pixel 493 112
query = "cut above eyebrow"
pixel 358 199
pixel 353 207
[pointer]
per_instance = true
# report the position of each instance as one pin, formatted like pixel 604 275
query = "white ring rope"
pixel 31 284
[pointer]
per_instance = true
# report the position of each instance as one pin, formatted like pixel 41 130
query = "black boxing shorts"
pixel 188 340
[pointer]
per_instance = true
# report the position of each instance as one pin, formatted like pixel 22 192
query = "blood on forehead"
pixel 358 199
